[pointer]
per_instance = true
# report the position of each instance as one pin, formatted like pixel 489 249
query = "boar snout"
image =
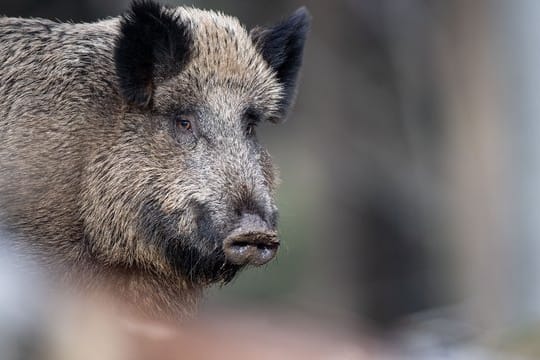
pixel 251 243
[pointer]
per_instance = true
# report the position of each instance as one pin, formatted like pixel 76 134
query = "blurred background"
pixel 410 203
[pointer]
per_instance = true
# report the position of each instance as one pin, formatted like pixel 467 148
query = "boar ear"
pixel 152 46
pixel 282 46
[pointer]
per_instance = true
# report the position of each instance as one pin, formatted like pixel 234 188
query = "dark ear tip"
pixel 302 17
pixel 303 12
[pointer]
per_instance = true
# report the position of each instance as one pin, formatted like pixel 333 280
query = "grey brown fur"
pixel 103 189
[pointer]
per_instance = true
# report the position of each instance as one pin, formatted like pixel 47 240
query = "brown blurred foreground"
pixel 89 331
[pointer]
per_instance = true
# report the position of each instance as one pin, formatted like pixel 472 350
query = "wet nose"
pixel 251 243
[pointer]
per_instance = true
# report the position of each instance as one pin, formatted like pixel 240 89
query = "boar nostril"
pixel 252 242
pixel 250 248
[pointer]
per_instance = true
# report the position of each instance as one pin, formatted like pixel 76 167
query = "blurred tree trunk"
pixel 478 162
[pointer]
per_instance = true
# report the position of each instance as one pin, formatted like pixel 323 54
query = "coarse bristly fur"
pixel 101 179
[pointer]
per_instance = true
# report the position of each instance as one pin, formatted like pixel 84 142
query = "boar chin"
pixel 196 255
pixel 198 267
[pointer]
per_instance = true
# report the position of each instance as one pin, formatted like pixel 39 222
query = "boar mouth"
pixel 211 253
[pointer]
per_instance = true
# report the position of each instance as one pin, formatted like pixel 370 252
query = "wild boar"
pixel 128 148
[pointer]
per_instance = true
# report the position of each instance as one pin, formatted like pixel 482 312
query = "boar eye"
pixel 183 123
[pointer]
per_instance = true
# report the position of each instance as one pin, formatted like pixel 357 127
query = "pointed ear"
pixel 152 46
pixel 282 47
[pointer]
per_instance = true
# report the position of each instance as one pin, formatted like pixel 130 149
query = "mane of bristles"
pixel 224 52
